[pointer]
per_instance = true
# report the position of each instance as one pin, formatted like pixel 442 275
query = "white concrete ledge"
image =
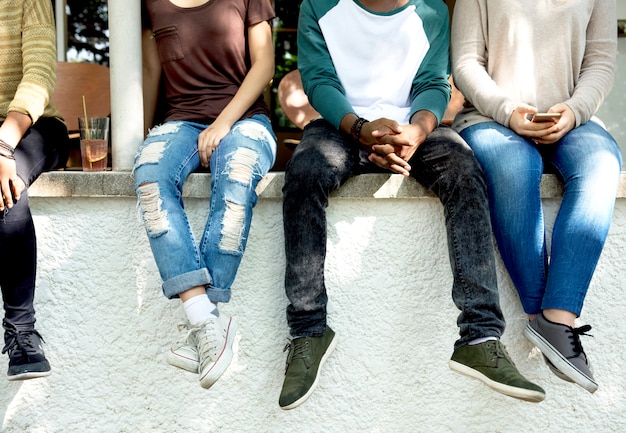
pixel 120 184
pixel 107 325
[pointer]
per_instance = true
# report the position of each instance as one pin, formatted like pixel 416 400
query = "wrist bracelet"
pixel 4 145
pixel 354 126
pixel 8 156
pixel 355 131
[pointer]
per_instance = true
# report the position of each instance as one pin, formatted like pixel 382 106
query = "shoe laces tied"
pixel 575 338
pixel 498 351
pixel 21 341
pixel 298 349
pixel 186 335
pixel 207 339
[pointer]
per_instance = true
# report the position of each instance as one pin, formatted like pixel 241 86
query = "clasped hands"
pixel 390 144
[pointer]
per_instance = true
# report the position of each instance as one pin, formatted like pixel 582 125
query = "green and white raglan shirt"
pixel 391 64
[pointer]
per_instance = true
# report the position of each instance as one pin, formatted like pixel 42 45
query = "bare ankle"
pixel 560 316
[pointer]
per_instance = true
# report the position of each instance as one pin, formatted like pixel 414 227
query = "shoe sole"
pixel 183 362
pixel 223 360
pixel 302 399
pixel 559 361
pixel 29 375
pixel 556 371
pixel 511 391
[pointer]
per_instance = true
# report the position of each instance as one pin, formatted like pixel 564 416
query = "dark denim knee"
pixel 447 165
pixel 321 162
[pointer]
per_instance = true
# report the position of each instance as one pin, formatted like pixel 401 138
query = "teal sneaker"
pixel 490 363
pixel 306 357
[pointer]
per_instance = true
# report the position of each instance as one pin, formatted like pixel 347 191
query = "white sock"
pixel 481 340
pixel 199 309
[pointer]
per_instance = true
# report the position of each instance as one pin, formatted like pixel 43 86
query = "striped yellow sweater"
pixel 27 58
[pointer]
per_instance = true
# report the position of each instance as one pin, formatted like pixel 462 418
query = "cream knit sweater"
pixel 27 58
pixel 539 52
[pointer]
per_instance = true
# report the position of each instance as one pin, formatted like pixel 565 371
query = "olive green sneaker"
pixel 490 363
pixel 306 357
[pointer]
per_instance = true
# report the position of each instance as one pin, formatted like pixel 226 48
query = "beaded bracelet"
pixel 354 126
pixel 355 131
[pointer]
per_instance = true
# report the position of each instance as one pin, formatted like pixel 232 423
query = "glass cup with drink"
pixel 94 142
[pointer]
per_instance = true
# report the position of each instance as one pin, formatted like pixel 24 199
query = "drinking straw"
pixel 87 145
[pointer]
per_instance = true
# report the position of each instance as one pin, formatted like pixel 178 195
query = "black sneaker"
pixel 490 363
pixel 561 345
pixel 26 357
pixel 306 357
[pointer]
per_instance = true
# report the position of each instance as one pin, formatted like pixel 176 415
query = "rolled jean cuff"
pixel 218 295
pixel 181 283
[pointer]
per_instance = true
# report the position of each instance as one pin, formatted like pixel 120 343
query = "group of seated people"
pixel 377 73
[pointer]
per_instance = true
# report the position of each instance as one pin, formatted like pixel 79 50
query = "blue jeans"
pixel 168 155
pixel 588 161
pixel 324 160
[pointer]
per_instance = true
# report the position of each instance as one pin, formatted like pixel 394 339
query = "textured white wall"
pixel 107 326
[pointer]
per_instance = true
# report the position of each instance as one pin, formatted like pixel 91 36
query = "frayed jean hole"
pixel 154 217
pixel 242 165
pixel 166 128
pixel 232 227
pixel 253 131
pixel 151 153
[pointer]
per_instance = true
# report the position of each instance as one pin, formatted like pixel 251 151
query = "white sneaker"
pixel 214 339
pixel 183 354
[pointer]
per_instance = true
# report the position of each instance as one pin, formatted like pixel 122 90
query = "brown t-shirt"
pixel 204 54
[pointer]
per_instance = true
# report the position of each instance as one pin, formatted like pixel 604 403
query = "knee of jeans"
pixel 310 170
pixel 259 138
pixel 243 167
pixel 152 150
pixel 241 172
pixel 150 206
pixel 467 168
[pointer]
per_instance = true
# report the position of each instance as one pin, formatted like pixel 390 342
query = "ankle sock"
pixel 481 340
pixel 199 309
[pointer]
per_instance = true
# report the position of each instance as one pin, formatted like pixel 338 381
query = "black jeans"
pixel 444 163
pixel 44 147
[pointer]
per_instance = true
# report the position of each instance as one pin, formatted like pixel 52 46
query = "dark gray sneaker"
pixel 306 357
pixel 490 363
pixel 561 345
pixel 556 371
pixel 26 357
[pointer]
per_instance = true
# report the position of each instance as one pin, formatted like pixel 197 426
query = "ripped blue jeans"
pixel 168 155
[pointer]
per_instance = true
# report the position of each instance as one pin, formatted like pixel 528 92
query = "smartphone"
pixel 543 117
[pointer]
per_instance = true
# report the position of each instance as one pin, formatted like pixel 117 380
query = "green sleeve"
pixel 319 77
pixel 431 89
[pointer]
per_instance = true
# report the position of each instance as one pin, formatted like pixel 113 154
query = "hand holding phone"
pixel 543 117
